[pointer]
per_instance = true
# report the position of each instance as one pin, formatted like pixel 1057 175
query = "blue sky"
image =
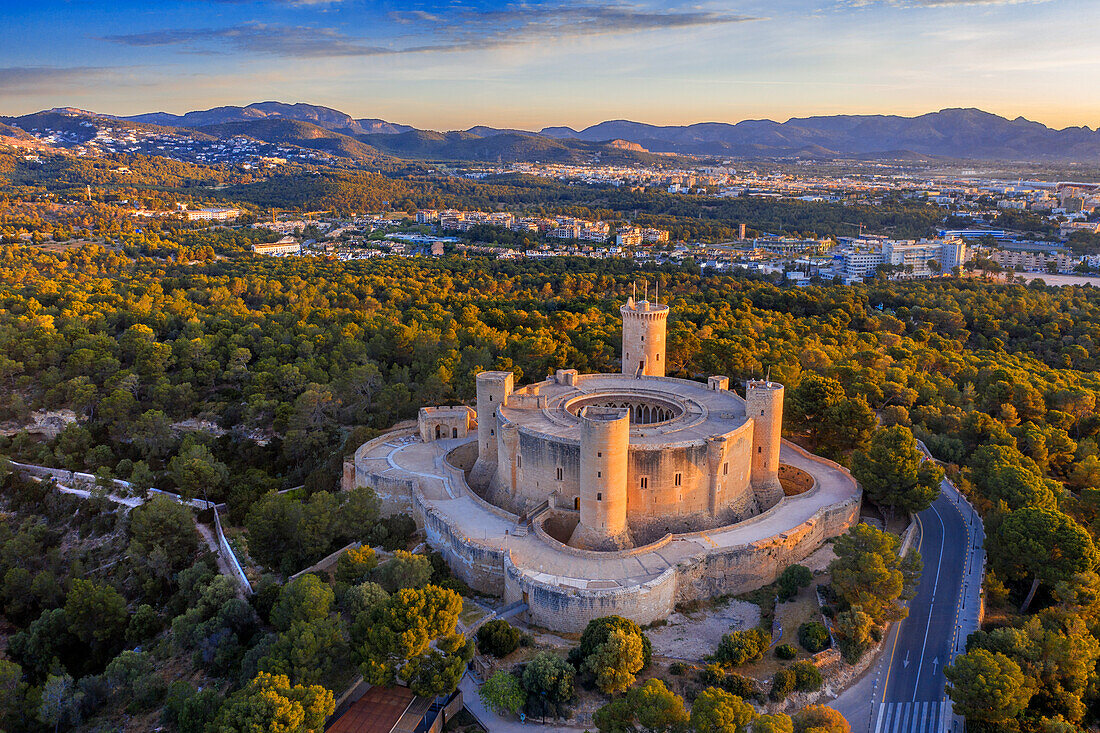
pixel 450 65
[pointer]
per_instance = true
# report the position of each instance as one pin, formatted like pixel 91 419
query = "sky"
pixel 453 64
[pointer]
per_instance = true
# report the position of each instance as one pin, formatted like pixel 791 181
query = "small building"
pixel 396 710
pixel 437 423
pixel 212 214
pixel 281 248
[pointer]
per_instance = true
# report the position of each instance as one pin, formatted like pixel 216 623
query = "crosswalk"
pixel 910 717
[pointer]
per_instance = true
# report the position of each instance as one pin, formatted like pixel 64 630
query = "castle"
pixel 541 492
pixel 637 454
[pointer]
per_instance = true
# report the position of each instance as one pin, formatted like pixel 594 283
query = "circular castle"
pixel 586 495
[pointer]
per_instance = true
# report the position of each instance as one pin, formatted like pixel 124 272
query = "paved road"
pixel 904 691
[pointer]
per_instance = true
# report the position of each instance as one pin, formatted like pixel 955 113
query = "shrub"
pixel 599 630
pixel 783 684
pixel 741 647
pixel 677 668
pixel 813 636
pixel 355 564
pixel 807 676
pixel 712 675
pixel 793 579
pixel 498 638
pixel 740 685
pixel 786 651
pixel 503 693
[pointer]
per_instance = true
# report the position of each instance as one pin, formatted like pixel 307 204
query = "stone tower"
pixel 604 450
pixel 765 407
pixel 493 390
pixel 644 338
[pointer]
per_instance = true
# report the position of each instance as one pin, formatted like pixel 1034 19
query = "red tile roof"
pixel 375 712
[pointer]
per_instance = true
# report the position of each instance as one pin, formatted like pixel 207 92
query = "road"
pixel 904 690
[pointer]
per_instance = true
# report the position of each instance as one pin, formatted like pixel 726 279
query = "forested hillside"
pixel 292 362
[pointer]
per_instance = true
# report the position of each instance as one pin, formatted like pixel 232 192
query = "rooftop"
pixel 693 412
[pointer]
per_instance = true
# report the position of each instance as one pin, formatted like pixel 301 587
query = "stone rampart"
pixel 479 566
pixel 566 608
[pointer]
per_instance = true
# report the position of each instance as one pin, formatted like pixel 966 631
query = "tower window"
pixel 599 474
pixel 577 503
pixel 725 468
pixel 492 432
pixel 599 496
pixel 643 338
pixel 679 479
pixel 519 461
pixel 658 357
pixel 559 473
pixel 599 454
pixel 759 449
pixel 643 482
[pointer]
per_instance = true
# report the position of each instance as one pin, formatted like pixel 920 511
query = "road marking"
pixel 881 712
pixel 932 604
pixel 903 715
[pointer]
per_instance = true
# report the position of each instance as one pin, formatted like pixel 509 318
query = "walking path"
pixel 495 723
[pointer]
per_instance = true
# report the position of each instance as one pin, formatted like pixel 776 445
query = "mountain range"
pixel 949 133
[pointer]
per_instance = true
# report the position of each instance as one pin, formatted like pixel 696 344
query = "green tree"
pixel 308 651
pixel 651 707
pixel 868 572
pixel 271 703
pixel 195 470
pixel 390 634
pixel 598 630
pixel 363 597
pixel 549 677
pixel 498 638
pixel 742 647
pixel 819 719
pixel 163 538
pixel 986 687
pixel 439 671
pixel 774 723
pixel 834 423
pixel 503 693
pixel 96 613
pixel 13 696
pixel 792 579
pixel 305 598
pixel 1044 545
pixel 717 711
pixel 616 661
pixel 853 633
pixel 893 471
pixel 404 570
pixel 60 705
pixel 813 636
pixel 355 565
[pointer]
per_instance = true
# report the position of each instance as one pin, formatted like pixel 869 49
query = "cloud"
pixel 40 78
pixel 257 38
pixel 461 30
pixel 940 3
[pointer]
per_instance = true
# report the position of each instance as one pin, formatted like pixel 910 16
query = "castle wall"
pixel 436 423
pixel 570 609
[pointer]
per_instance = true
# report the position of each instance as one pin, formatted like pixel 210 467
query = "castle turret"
pixel 604 450
pixel 493 390
pixel 765 407
pixel 644 326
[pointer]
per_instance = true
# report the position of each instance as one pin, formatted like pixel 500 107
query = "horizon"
pixel 555 63
pixel 537 129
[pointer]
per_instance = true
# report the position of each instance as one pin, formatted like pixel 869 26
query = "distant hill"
pixel 325 117
pixel 949 133
pixel 954 133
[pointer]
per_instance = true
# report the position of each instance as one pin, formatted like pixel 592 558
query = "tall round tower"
pixel 765 407
pixel 493 390
pixel 604 452
pixel 644 326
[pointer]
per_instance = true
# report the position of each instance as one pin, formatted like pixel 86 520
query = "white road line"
pixel 903 709
pixel 881 713
pixel 932 604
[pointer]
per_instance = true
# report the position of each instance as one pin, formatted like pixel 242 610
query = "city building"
pixel 283 247
pixel 211 214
